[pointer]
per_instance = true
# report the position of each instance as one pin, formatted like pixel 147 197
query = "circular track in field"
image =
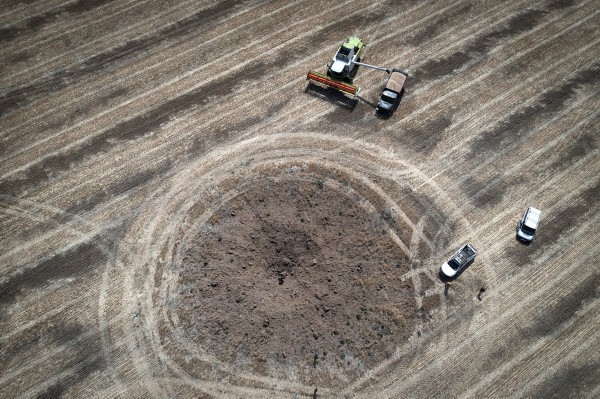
pixel 285 261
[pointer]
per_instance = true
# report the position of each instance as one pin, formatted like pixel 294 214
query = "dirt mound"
pixel 296 277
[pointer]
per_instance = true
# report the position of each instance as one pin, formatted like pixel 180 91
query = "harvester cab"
pixel 345 59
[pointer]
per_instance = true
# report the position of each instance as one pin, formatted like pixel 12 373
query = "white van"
pixel 528 224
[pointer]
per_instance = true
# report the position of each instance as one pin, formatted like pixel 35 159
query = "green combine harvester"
pixel 342 70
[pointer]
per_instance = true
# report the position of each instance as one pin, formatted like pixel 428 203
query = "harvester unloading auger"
pixel 341 72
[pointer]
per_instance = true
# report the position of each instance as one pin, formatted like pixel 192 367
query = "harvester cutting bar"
pixel 321 79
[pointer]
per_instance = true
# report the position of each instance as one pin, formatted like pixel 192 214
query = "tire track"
pixel 14 281
pixel 458 350
pixel 498 378
pixel 64 36
pixel 541 278
pixel 81 230
pixel 155 379
pixel 18 254
pixel 154 65
pixel 494 244
pixel 61 79
pixel 177 209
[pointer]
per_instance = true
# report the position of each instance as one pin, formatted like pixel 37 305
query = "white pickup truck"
pixel 459 260
pixel 528 224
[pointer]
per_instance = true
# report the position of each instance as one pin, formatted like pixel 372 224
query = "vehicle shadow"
pixel 523 242
pixel 365 101
pixel 331 95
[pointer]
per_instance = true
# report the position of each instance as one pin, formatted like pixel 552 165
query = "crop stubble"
pixel 177 159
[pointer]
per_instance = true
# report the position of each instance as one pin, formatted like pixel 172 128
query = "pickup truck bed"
pixel 467 253
pixel 396 81
pixel 459 260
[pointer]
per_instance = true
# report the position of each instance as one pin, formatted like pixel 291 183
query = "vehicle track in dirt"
pixel 132 130
pixel 240 157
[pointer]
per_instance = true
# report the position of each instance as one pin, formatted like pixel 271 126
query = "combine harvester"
pixel 341 72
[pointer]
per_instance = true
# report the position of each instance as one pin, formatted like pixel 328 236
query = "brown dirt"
pixel 275 276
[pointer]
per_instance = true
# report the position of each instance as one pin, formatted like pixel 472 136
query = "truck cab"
pixel 343 61
pixel 387 102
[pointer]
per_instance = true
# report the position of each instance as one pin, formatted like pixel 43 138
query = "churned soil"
pixel 275 278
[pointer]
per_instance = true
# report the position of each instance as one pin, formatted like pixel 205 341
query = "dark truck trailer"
pixel 390 98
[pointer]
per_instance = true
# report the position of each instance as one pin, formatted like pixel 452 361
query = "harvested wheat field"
pixel 183 216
